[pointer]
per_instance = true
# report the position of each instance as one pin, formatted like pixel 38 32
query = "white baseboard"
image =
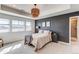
pixel 12 42
pixel 64 43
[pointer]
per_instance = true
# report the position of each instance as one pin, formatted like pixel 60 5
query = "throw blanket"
pixel 40 39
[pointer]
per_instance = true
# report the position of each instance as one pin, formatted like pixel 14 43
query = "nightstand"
pixel 54 37
pixel 28 39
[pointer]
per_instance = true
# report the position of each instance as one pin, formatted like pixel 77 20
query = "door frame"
pixel 70 27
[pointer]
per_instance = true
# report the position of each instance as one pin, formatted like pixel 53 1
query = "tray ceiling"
pixel 47 9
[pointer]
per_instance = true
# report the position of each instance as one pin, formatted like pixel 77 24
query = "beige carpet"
pixel 51 48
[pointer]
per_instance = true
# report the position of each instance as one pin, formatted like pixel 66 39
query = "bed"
pixel 41 39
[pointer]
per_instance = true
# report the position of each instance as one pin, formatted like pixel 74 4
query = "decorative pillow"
pixel 46 31
pixel 40 31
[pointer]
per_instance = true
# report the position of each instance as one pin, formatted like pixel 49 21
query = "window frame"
pixel 19 23
pixel 6 23
pixel 30 25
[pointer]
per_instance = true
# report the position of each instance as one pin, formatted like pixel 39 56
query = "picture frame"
pixel 48 23
pixel 43 24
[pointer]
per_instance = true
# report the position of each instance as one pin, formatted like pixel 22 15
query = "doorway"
pixel 73 30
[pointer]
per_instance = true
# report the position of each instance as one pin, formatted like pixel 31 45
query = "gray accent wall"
pixel 59 24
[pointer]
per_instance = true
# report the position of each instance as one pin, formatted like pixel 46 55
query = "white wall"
pixel 78 28
pixel 15 36
pixel 11 37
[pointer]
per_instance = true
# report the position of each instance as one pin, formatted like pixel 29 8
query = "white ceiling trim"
pixel 72 8
pixel 56 9
pixel 14 14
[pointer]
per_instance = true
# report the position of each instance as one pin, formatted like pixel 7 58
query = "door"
pixel 73 28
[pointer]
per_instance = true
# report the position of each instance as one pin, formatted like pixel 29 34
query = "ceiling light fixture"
pixel 35 11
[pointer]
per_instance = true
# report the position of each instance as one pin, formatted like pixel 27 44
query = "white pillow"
pixel 46 31
pixel 40 31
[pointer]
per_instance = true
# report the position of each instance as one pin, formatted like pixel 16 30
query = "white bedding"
pixel 40 39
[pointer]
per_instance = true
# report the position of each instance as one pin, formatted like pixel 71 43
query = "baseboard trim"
pixel 63 43
pixel 11 42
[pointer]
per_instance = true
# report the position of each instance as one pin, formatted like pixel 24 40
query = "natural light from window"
pixel 8 25
pixel 6 50
pixel 10 48
pixel 4 25
pixel 17 25
pixel 28 26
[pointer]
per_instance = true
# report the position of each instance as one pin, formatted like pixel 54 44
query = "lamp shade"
pixel 35 12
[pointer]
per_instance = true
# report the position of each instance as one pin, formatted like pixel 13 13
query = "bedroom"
pixel 53 17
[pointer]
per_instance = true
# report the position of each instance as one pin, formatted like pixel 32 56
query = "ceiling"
pixel 47 10
pixel 28 7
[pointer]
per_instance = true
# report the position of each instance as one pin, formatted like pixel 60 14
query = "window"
pixel 4 25
pixel 17 25
pixel 28 26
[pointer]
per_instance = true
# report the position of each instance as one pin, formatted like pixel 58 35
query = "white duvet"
pixel 40 39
